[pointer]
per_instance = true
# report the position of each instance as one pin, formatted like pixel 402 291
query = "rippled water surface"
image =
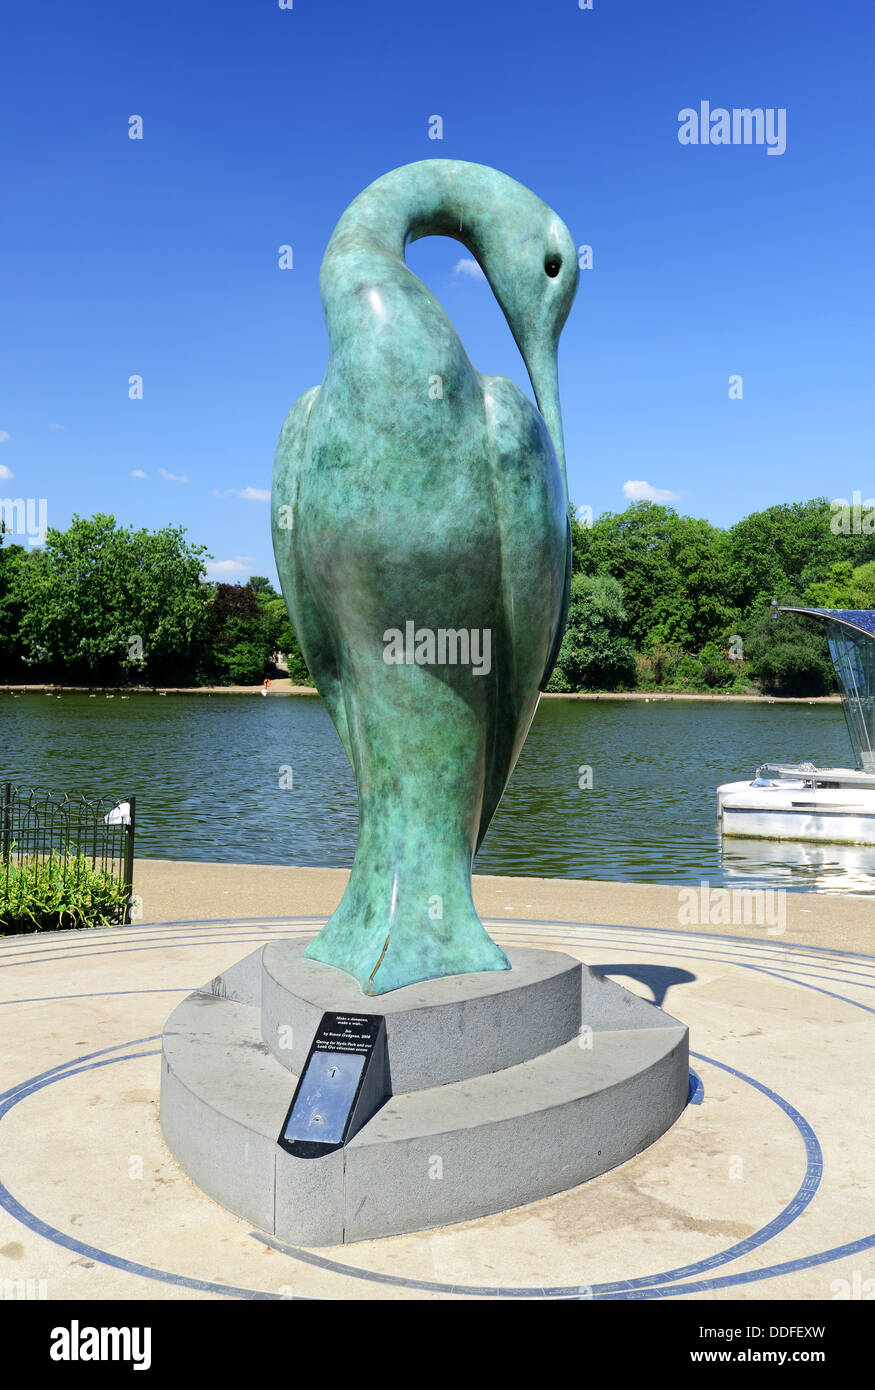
pixel 207 773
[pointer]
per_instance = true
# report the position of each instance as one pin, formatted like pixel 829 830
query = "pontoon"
pixel 803 802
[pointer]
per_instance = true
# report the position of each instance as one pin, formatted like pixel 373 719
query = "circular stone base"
pixel 508 1086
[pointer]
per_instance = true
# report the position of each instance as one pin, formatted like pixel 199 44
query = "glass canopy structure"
pixel 851 637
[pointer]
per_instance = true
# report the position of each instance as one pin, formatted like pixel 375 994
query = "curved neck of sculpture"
pixel 429 199
pixel 478 207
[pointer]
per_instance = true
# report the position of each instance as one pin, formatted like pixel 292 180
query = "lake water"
pixel 208 774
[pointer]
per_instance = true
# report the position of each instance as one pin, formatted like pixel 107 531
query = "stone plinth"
pixel 507 1086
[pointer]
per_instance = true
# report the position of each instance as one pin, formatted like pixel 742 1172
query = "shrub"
pixel 789 656
pixel 671 668
pixel 57 893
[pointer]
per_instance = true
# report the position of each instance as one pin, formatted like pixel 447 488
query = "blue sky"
pixel 158 257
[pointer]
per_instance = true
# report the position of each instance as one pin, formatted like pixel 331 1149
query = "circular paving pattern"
pixel 762 1189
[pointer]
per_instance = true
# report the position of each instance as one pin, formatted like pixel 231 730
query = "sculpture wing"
pixel 563 615
pixel 312 630
pixel 535 537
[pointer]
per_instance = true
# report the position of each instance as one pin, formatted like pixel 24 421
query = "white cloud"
pixel 6 472
pixel 4 435
pixel 173 477
pixel 646 492
pixel 468 267
pixel 54 426
pixel 138 473
pixel 241 564
pixel 219 567
pixel 247 494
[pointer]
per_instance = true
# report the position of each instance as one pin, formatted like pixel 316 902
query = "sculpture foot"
pixel 396 961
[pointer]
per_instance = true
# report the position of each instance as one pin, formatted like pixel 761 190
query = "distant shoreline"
pixel 283 686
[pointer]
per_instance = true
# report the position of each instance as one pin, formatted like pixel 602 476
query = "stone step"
pixel 428 1157
pixel 438 1031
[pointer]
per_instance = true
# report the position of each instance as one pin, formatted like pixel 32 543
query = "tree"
pixel 778 552
pixel 262 587
pixel 650 588
pixel 12 557
pixel 844 587
pixel 240 645
pixel 595 651
pixel 104 602
pixel 789 655
pixel 283 639
pixel 672 569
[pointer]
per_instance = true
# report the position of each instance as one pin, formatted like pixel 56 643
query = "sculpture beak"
pixel 543 369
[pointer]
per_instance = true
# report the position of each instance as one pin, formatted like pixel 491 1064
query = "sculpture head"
pixel 523 247
pixel 534 277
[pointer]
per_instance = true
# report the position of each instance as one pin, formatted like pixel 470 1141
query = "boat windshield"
pixel 853 656
pixel 851 637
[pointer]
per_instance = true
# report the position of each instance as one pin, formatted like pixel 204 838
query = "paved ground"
pixel 172 891
pixel 762 1190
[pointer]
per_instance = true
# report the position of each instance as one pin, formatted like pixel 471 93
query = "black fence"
pixel 71 856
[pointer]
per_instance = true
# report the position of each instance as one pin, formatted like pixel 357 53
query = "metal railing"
pixel 72 834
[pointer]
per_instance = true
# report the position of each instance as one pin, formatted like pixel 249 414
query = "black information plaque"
pixel 344 1082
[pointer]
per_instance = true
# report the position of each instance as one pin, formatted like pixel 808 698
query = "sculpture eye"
pixel 553 265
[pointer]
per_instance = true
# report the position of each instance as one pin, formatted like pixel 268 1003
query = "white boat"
pixel 803 802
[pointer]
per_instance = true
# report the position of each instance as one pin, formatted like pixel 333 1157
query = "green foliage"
pixel 718 670
pixel 657 599
pixel 689 587
pixel 57 893
pixel 262 587
pixel 596 652
pixel 12 558
pixel 240 647
pixel 672 668
pixel 248 626
pixel 788 655
pixel 283 639
pixel 779 552
pixel 104 602
pixel 672 569
pixel 844 587
pixel 245 663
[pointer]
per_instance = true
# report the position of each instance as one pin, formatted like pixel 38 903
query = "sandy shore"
pixel 283 686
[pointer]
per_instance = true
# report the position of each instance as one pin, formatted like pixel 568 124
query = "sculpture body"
pixel 414 496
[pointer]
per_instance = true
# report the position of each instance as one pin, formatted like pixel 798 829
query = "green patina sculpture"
pixel 420 525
